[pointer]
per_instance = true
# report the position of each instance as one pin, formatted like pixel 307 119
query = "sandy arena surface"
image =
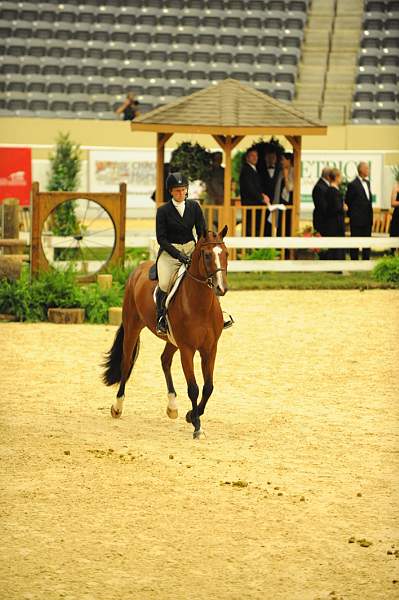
pixel 303 419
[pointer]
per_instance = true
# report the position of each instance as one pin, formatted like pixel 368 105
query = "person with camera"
pixel 129 109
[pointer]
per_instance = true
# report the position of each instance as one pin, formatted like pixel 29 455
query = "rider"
pixel 175 221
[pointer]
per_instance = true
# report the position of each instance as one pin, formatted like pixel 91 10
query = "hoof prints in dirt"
pixel 112 455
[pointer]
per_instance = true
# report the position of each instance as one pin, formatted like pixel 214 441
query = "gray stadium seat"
pixel 386 116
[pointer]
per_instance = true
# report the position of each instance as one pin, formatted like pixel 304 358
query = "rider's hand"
pixel 183 258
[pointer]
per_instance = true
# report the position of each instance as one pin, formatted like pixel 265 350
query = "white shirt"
pixel 366 187
pixel 253 166
pixel 180 206
pixel 271 171
pixel 326 181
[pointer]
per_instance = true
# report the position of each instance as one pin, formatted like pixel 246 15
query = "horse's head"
pixel 211 254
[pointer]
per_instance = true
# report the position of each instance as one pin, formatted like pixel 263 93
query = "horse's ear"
pixel 223 232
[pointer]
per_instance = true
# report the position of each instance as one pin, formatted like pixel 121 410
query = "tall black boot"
pixel 161 321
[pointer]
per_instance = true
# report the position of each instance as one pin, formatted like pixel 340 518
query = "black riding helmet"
pixel 176 180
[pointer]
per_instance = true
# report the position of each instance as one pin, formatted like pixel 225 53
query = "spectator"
pixel 287 189
pixel 251 190
pixel 394 226
pixel 215 180
pixel 319 193
pixel 360 210
pixel 129 108
pixel 270 176
pixel 334 220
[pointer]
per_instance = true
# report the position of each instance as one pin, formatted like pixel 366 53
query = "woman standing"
pixel 335 224
pixel 394 226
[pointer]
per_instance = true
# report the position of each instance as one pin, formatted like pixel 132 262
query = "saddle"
pixel 153 273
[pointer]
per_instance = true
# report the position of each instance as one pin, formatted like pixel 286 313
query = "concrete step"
pixel 334 115
pixel 309 92
pixel 343 78
pixel 314 57
pixel 347 22
pixel 317 38
pixel 343 58
pixel 320 22
pixel 322 7
pixel 352 7
pixel 310 110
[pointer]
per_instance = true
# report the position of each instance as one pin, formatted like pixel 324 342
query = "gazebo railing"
pixel 249 221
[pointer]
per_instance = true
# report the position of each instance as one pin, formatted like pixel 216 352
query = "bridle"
pixel 209 276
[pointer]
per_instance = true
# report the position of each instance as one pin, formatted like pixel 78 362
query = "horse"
pixel 195 319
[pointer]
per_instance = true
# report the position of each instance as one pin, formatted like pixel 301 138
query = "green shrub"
pixel 263 254
pixel 29 301
pixel 387 270
pixel 97 301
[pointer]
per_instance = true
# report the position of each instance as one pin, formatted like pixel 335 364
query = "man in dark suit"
pixel 270 175
pixel 358 200
pixel 251 190
pixel 319 195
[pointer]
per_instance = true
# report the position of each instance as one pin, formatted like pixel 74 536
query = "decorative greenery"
pixel 343 186
pixel 395 171
pixel 387 270
pixel 263 254
pixel 272 145
pixel 192 160
pixel 64 176
pixel 236 165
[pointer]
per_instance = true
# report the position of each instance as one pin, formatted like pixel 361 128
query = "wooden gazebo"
pixel 228 112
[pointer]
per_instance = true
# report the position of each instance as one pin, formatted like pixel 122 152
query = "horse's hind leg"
pixel 131 346
pixel 166 360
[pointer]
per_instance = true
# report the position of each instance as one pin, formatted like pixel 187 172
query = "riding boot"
pixel 161 320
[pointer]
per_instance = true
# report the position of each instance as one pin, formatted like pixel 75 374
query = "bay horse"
pixel 196 322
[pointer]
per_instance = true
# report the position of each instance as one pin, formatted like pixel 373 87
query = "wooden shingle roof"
pixel 228 108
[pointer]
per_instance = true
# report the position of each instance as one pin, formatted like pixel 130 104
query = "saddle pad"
pixel 152 273
pixel 179 278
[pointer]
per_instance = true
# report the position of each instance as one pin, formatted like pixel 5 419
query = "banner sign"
pixel 136 168
pixel 16 174
pixel 346 161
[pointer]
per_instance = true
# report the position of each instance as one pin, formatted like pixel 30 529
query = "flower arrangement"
pixel 306 253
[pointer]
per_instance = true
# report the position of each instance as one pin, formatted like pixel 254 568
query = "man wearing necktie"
pixel 358 200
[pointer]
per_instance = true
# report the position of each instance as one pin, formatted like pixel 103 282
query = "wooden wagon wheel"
pixel 94 239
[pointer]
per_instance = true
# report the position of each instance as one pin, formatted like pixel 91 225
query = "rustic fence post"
pixel 11 223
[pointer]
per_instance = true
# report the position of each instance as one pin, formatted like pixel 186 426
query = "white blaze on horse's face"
pixel 219 278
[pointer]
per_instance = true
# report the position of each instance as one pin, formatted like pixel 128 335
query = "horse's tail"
pixel 113 361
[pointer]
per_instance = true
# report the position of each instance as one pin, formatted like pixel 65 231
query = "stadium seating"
pixel 79 59
pixel 376 96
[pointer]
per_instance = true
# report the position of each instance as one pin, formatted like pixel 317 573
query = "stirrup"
pixel 229 323
pixel 161 325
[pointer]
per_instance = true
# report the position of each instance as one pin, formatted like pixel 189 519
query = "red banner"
pixel 16 174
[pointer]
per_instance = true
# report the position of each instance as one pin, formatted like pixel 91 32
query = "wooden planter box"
pixel 66 315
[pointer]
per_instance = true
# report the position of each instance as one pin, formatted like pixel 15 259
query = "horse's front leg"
pixel 166 360
pixel 187 356
pixel 207 365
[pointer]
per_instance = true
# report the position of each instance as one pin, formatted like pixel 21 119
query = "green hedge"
pixel 387 270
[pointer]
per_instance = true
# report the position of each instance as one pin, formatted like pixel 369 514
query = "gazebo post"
pixel 297 184
pixel 296 143
pixel 162 138
pixel 227 144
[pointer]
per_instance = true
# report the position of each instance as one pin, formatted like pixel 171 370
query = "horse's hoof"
pixel 172 413
pixel 116 414
pixel 188 417
pixel 197 435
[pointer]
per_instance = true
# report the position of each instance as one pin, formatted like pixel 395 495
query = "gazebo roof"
pixel 228 108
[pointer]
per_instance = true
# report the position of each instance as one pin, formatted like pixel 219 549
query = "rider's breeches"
pixel 169 266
